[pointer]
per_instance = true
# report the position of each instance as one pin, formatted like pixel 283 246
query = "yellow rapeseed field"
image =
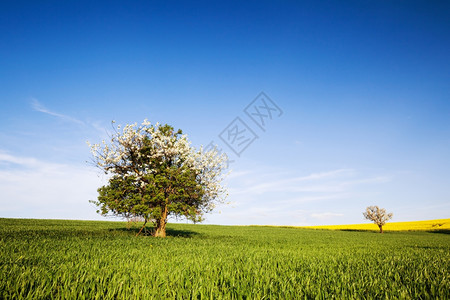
pixel 440 224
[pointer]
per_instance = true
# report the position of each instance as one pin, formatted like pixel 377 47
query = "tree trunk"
pixel 161 224
pixel 381 228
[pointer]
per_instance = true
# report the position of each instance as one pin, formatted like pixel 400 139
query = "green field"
pixel 56 259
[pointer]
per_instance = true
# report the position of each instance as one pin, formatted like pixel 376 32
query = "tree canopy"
pixel 155 173
pixel 378 215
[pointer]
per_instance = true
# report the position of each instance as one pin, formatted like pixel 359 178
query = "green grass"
pixel 56 259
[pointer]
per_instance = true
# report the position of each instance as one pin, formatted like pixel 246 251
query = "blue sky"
pixel 363 87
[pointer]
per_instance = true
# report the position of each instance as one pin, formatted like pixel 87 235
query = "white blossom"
pixel 114 157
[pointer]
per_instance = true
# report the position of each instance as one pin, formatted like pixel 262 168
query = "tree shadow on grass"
pixel 181 233
pixel 148 231
pixel 360 230
pixel 444 231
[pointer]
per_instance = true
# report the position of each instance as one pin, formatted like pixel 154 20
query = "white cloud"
pixel 37 106
pixel 325 215
pixel 92 127
pixel 98 126
pixel 24 161
pixel 236 174
pixel 334 181
pixel 317 198
pixel 281 198
pixel 32 188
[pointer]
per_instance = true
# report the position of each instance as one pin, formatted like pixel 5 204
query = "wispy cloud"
pixel 34 188
pixel 263 196
pixel 317 198
pixel 6 158
pixel 325 215
pixel 290 183
pixel 37 106
pixel 89 124
pixel 238 174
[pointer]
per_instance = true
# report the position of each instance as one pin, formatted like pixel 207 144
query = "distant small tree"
pixel 377 215
pixel 155 174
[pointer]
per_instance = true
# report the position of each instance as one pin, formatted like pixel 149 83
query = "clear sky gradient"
pixel 364 89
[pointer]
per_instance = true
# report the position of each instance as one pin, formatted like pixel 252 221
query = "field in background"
pixel 56 259
pixel 430 225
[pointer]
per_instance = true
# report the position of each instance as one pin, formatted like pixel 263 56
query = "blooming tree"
pixel 156 173
pixel 377 215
